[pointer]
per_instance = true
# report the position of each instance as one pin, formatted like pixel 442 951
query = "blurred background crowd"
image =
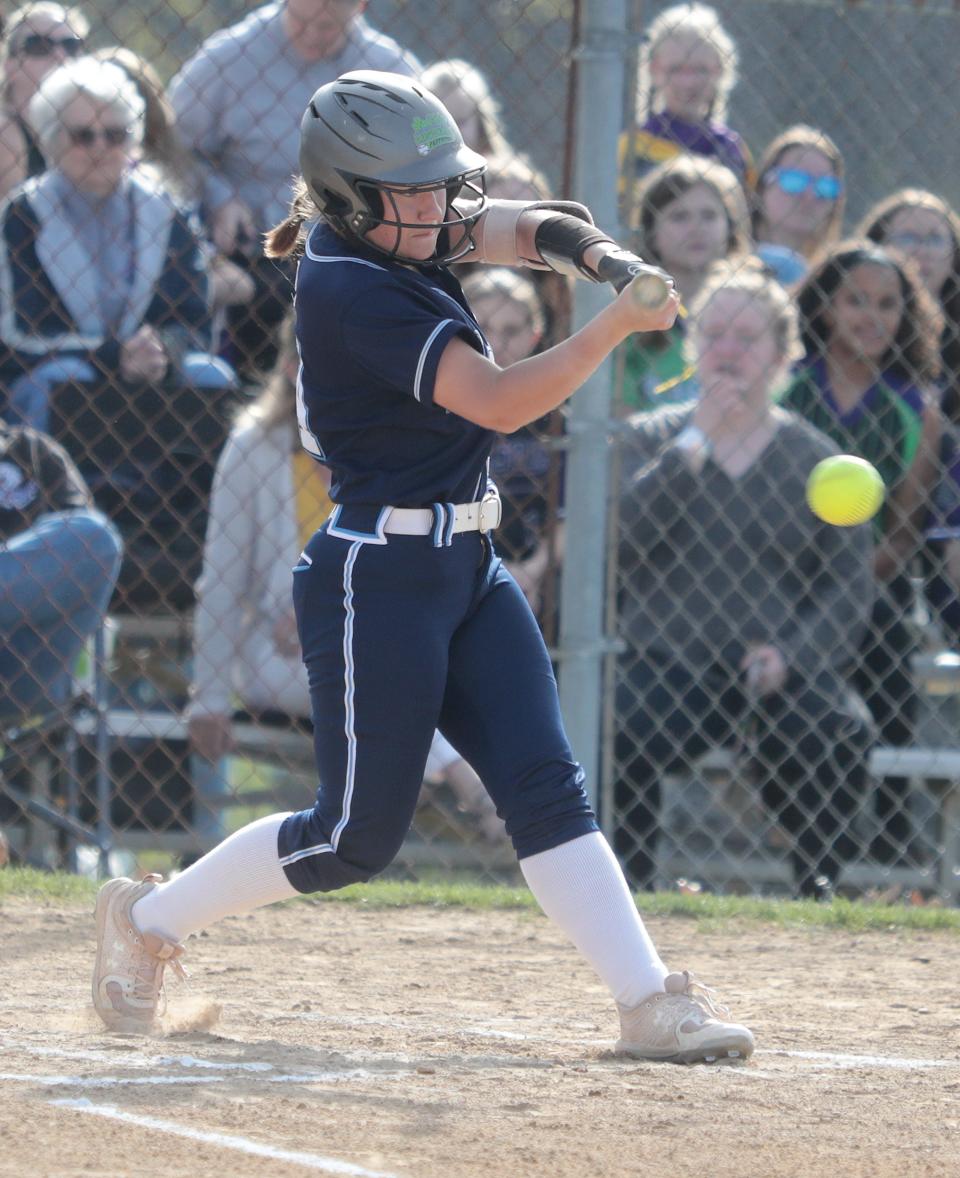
pixel 784 164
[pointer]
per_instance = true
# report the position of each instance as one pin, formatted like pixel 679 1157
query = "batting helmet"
pixel 369 134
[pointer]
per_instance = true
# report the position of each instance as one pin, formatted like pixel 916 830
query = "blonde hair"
pixel 455 76
pixel 693 22
pixel 288 238
pixel 277 403
pixel 753 280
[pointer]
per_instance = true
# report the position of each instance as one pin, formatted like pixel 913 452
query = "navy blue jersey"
pixel 371 333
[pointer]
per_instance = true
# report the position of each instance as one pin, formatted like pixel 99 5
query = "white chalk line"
pixel 837 1060
pixel 224 1140
pixel 134 1059
pixel 64 1081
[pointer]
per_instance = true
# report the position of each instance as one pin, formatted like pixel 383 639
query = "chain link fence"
pixel 183 714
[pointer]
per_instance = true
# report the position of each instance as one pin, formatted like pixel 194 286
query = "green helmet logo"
pixel 431 132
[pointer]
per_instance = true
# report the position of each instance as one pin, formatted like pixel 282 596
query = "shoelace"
pixel 145 983
pixel 705 997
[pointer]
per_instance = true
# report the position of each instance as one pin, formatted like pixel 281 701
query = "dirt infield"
pixel 443 1043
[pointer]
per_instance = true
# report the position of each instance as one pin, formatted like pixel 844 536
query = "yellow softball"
pixel 845 490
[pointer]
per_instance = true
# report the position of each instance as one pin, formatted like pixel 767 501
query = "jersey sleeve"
pixel 398 339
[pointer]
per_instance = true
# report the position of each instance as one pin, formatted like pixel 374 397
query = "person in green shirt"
pixel 691 213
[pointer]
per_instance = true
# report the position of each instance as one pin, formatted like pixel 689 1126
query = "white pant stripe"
pixel 349 686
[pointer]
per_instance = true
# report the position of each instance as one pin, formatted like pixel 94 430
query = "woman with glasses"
pixel 104 317
pixel 870 331
pixel 926 229
pixel 103 275
pixel 799 202
pixel 38 38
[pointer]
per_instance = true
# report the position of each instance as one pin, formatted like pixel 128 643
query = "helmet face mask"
pixel 368 136
pixel 455 230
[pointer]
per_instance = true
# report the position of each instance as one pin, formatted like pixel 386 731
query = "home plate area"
pixel 437 1043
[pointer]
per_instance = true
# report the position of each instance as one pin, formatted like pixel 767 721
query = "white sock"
pixel 241 874
pixel 580 886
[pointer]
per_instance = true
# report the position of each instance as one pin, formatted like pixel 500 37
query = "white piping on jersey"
pixel 349 689
pixel 319 849
pixel 425 350
pixel 359 261
pixel 308 439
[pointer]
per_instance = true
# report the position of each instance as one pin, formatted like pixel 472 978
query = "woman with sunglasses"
pixel 105 299
pixel 104 276
pixel 870 331
pixel 38 38
pixel 800 200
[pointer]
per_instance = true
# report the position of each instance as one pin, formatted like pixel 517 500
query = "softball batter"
pixel 407 618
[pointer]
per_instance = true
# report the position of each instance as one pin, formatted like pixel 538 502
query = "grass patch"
pixel 25 883
pixel 706 910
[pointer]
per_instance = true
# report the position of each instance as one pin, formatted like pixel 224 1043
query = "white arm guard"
pixel 496 231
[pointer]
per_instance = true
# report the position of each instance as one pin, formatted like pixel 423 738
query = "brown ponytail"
pixel 289 236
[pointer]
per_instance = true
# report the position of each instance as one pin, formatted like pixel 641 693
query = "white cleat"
pixel 128 972
pixel 684 1024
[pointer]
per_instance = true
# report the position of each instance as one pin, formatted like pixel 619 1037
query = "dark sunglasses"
pixel 87 136
pixel 42 45
pixel 794 181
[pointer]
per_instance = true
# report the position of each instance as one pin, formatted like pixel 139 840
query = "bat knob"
pixel 650 291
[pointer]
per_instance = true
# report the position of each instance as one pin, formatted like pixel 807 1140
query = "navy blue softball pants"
pixel 400 637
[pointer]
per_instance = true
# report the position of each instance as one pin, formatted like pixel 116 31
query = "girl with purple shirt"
pixel 688 68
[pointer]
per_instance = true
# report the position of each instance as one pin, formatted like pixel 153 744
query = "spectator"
pixel 103 275
pixel 269 497
pixel 239 101
pixel 870 332
pixel 506 305
pixel 466 93
pixel 510 175
pixel 164 158
pixel 800 199
pixel 688 68
pixel 59 560
pixel 691 213
pixel 738 607
pixel 38 37
pixel 927 229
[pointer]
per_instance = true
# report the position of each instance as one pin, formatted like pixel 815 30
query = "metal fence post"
pixel 600 56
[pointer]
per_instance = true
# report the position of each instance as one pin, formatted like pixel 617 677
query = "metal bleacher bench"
pixel 938 765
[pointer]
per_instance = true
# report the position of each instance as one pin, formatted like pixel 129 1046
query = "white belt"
pixel 482 516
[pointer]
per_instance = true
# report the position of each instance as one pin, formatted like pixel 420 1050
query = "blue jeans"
pixel 30 394
pixel 56 580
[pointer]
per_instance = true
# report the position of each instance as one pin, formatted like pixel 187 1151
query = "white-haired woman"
pixel 102 277
pixel 688 68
